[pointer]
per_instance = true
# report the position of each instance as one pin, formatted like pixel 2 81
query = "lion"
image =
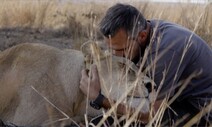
pixel 40 84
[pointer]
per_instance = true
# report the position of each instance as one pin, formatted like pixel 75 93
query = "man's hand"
pixel 89 83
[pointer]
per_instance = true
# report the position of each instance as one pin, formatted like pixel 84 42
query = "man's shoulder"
pixel 169 30
pixel 168 25
pixel 159 23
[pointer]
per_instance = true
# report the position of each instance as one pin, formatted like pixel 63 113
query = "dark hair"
pixel 122 16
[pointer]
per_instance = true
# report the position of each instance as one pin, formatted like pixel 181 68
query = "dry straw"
pixel 83 18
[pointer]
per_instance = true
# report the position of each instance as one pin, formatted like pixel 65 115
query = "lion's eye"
pixel 122 65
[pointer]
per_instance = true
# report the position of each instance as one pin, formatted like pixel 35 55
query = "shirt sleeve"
pixel 165 68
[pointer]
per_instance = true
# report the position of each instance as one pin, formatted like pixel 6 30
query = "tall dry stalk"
pixel 78 19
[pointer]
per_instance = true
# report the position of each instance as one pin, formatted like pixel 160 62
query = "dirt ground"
pixel 13 36
pixel 57 38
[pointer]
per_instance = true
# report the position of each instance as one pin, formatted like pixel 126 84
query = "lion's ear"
pixel 91 49
pixel 85 48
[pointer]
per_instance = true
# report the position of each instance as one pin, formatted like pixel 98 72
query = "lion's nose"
pixel 149 87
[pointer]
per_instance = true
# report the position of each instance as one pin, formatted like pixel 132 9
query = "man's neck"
pixel 149 33
pixel 142 48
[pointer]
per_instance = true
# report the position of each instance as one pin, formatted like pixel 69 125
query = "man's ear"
pixel 142 37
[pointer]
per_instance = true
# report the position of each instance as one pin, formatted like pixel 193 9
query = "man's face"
pixel 123 46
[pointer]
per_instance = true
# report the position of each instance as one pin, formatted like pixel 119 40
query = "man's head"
pixel 124 28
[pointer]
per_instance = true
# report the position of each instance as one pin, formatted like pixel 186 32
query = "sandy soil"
pixel 13 36
pixel 62 39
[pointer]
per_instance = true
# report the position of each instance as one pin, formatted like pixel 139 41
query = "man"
pixel 178 60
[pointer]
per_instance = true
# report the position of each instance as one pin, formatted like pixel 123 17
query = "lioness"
pixel 40 85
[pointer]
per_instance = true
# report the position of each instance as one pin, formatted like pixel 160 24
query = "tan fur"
pixel 31 73
pixel 54 73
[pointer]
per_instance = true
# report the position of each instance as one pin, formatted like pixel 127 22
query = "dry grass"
pixel 80 20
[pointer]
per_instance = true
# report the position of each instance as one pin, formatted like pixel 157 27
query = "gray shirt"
pixel 179 58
